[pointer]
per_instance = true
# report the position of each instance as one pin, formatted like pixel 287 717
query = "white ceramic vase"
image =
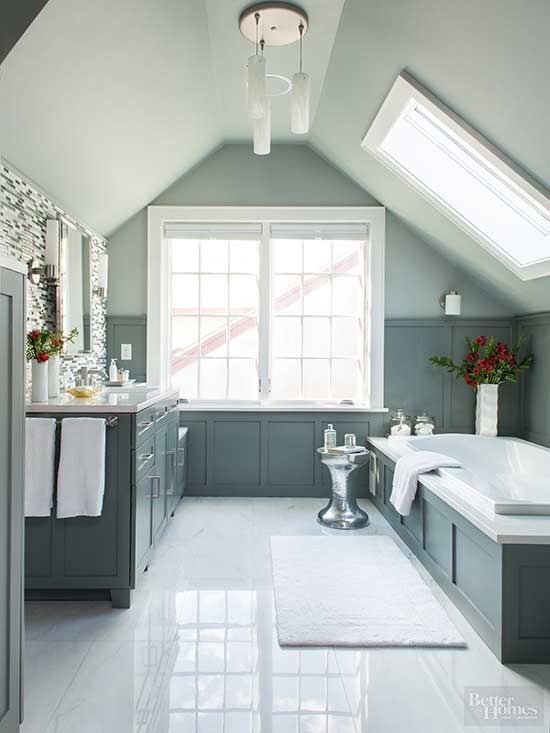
pixel 487 410
pixel 39 381
pixel 53 376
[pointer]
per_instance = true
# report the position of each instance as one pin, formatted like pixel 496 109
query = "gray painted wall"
pixel 535 400
pixel 295 175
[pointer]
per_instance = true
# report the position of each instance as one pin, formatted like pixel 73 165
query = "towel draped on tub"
pixel 407 470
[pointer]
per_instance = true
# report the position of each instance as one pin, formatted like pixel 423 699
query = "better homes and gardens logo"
pixel 504 706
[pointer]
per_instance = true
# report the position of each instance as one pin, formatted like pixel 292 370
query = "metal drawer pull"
pixel 145 424
pixel 172 454
pixel 145 457
pixel 173 409
pixel 155 494
pixel 161 415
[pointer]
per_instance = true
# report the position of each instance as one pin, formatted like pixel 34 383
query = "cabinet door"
pixel 144 520
pixel 12 370
pixel 159 482
pixel 171 467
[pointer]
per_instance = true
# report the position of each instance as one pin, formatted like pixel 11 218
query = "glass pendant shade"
pixel 299 115
pixel 262 132
pixel 257 100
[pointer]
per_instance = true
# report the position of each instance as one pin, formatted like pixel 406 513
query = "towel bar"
pixel 111 421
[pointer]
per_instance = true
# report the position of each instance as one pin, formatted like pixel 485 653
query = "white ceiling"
pixel 107 103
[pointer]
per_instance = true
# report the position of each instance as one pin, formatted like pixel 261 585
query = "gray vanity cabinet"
pixel 12 406
pixel 88 556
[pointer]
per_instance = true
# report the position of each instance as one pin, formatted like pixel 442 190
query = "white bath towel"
pixel 407 470
pixel 39 465
pixel 81 474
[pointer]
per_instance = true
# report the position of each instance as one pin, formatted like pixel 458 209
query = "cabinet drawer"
pixel 145 424
pixel 144 457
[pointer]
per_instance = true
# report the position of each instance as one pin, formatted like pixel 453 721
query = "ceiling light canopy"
pixel 274 24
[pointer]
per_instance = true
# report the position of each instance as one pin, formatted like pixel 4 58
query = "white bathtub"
pixel 499 475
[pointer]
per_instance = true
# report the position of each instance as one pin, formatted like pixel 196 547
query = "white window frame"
pixel 159 289
pixel 405 93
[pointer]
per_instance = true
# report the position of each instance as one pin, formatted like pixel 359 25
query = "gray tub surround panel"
pixel 89 556
pixel 12 450
pixel 535 417
pixel 24 210
pixel 267 452
pixel 496 571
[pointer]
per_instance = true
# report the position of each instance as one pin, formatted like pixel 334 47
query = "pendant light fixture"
pixel 274 24
pixel 257 100
pixel 299 109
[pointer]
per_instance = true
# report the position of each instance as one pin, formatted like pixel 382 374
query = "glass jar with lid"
pixel 424 424
pixel 400 424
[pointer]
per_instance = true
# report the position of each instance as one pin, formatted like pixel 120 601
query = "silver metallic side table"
pixel 342 511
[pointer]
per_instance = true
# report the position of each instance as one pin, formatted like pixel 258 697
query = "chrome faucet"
pixel 84 374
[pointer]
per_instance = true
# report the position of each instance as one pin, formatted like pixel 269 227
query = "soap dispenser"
pixel 330 437
pixel 113 371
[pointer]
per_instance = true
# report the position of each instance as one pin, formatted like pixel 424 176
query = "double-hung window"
pixel 268 311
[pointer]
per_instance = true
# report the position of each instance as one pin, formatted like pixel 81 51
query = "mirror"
pixel 74 305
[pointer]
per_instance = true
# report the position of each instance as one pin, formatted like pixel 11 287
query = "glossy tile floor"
pixel 198 652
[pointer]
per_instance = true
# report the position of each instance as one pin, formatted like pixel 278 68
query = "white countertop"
pixel 502 528
pixel 290 407
pixel 129 400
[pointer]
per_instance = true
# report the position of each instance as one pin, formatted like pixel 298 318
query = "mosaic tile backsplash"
pixel 24 210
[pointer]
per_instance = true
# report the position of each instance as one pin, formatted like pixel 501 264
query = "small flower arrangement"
pixel 38 345
pixel 43 344
pixel 58 341
pixel 487 361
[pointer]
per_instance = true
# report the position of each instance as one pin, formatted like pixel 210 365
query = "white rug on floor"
pixel 354 591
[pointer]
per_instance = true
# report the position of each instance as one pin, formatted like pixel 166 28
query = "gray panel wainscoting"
pixel 535 387
pixel 128 330
pixel 503 590
pixel 413 383
pixel 267 453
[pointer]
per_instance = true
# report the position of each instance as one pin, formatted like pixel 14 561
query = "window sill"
pixel 235 407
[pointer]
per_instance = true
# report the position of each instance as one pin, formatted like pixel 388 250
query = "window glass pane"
pixel 243 294
pixel 347 257
pixel 317 337
pixel 316 255
pixel 214 255
pixel 214 294
pixel 347 339
pixel 286 380
pixel 346 379
pixel 213 335
pixel 346 296
pixel 243 379
pixel 287 337
pixel 243 336
pixel 316 378
pixel 243 256
pixel 317 295
pixel 213 378
pixel 287 298
pixel 287 255
pixel 185 373
pixel 185 255
pixel 185 334
pixel 185 294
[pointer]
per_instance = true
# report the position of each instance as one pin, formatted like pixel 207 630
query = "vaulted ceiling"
pixel 105 103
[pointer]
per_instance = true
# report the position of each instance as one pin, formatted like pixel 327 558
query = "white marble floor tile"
pixel 198 650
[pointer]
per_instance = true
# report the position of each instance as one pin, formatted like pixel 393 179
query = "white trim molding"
pixel 158 280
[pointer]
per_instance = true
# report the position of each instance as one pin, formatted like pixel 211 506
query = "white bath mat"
pixel 354 591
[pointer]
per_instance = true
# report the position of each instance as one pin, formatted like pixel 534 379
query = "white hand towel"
pixel 407 470
pixel 39 465
pixel 81 473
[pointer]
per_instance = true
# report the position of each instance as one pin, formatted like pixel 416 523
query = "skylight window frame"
pixel 406 94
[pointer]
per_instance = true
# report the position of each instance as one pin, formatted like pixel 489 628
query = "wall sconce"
pixel 451 303
pixel 50 270
pixel 102 276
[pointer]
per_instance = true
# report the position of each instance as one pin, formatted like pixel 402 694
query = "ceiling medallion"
pixel 274 24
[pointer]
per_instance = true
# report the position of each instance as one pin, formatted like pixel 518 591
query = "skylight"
pixel 462 175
